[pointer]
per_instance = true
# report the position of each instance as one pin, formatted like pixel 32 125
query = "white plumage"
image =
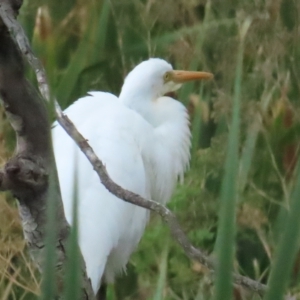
pixel 144 139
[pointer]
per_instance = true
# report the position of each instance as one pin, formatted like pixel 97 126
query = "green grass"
pixel 225 248
pixel 73 267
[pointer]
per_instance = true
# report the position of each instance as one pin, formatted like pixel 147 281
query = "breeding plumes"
pixel 143 138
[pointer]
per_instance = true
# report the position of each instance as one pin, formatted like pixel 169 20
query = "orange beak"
pixel 179 76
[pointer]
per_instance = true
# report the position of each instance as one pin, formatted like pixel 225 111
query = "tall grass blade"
pixel 49 279
pixel 247 155
pixel 287 250
pixel 249 147
pixel 196 129
pixel 196 126
pixel 72 280
pixel 159 294
pixel 101 31
pixel 226 227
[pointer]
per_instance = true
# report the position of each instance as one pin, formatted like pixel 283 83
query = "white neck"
pixel 156 109
pixel 143 100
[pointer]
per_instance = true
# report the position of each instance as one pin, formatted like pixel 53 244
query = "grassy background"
pixel 92 45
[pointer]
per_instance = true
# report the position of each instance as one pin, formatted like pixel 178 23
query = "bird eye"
pixel 167 76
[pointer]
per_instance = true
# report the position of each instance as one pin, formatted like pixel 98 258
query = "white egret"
pixel 143 138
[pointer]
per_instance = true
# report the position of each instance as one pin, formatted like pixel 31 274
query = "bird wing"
pixel 166 155
pixel 109 228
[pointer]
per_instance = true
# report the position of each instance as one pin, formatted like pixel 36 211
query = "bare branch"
pixel 28 172
pixel 168 216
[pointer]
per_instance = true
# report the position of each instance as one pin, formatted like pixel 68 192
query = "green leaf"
pixel 49 272
pixel 226 226
pixel 287 249
pixel 159 294
pixel 73 272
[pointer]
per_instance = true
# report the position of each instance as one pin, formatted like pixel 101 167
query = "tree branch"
pixel 28 172
pixel 168 216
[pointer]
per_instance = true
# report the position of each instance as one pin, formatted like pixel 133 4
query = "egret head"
pixel 155 77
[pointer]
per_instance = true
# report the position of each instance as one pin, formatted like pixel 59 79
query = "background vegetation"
pixel 92 45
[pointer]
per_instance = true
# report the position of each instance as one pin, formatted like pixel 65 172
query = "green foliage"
pixel 226 227
pixel 289 14
pixel 91 45
pixel 49 288
pixel 288 247
pixel 73 267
